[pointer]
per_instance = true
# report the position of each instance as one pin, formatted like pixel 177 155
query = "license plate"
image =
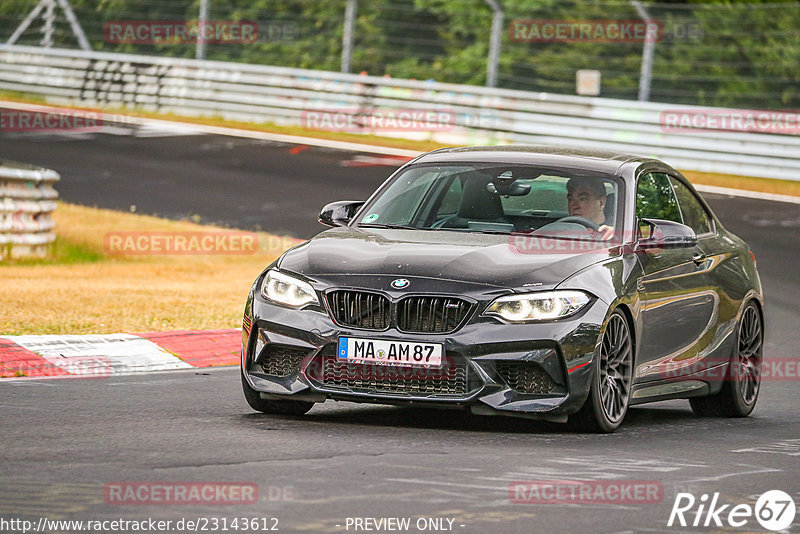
pixel 384 352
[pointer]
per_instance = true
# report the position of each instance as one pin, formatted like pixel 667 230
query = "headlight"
pixel 285 289
pixel 538 306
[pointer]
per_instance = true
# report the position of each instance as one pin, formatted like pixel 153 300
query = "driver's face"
pixel 583 202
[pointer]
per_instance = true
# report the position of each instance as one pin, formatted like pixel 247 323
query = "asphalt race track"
pixel 245 183
pixel 63 441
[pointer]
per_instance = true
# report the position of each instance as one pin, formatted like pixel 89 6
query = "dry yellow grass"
pixel 86 290
pixel 748 183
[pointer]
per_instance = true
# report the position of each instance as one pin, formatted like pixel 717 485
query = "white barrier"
pixel 258 93
pixel 27 200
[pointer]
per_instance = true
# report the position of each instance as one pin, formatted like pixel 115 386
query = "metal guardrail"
pixel 257 93
pixel 27 200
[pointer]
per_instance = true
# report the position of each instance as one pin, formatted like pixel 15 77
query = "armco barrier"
pixel 258 93
pixel 27 199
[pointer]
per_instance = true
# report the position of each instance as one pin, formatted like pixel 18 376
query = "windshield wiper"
pixel 390 226
pixel 567 238
pixel 495 232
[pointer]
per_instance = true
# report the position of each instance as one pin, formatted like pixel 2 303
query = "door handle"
pixel 698 258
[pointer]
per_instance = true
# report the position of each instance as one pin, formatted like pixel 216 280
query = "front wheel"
pixel 610 388
pixel 281 407
pixel 739 392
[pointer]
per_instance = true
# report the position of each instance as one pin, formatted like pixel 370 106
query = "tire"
pixel 280 407
pixel 742 382
pixel 612 372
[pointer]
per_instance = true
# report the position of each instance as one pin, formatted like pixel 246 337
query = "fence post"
pixel 201 22
pixel 347 37
pixel 647 54
pixel 494 43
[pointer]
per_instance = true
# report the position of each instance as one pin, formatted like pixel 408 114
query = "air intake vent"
pixel 280 360
pixel 526 377
pixel 449 380
pixel 246 323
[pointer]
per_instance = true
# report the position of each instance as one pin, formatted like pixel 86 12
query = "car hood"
pixel 484 259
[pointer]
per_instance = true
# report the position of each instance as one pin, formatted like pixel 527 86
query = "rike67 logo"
pixel 774 510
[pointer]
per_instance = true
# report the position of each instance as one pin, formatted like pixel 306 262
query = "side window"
pixel 694 215
pixel 451 199
pixel 655 198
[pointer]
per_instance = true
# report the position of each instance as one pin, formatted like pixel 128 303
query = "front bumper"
pixel 537 370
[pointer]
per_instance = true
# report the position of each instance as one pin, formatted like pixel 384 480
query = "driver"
pixel 587 198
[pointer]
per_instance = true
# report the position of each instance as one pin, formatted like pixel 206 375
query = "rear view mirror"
pixel 339 213
pixel 659 233
pixel 506 184
pixel 509 190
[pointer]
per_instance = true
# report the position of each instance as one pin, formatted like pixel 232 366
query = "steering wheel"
pixel 591 225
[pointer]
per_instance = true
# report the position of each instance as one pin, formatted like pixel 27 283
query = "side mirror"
pixel 339 213
pixel 659 233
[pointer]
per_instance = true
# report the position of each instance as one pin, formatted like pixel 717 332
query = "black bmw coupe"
pixel 539 282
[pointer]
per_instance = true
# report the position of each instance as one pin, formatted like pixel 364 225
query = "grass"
pixel 750 183
pixel 82 288
pixel 61 252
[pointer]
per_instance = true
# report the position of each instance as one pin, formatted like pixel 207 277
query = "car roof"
pixel 547 156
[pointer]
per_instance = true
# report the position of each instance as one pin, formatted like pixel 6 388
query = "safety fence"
pixel 736 53
pixel 27 201
pixel 735 141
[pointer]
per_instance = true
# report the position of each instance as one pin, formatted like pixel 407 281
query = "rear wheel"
pixel 610 390
pixel 739 392
pixel 282 407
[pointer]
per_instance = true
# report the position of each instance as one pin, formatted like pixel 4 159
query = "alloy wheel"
pixel 748 371
pixel 616 357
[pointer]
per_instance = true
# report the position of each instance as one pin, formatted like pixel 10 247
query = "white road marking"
pixel 100 354
pixel 741 473
pixel 167 130
pixel 449 484
pixel 746 194
pixel 790 447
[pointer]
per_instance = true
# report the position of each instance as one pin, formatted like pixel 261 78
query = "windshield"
pixel 490 198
